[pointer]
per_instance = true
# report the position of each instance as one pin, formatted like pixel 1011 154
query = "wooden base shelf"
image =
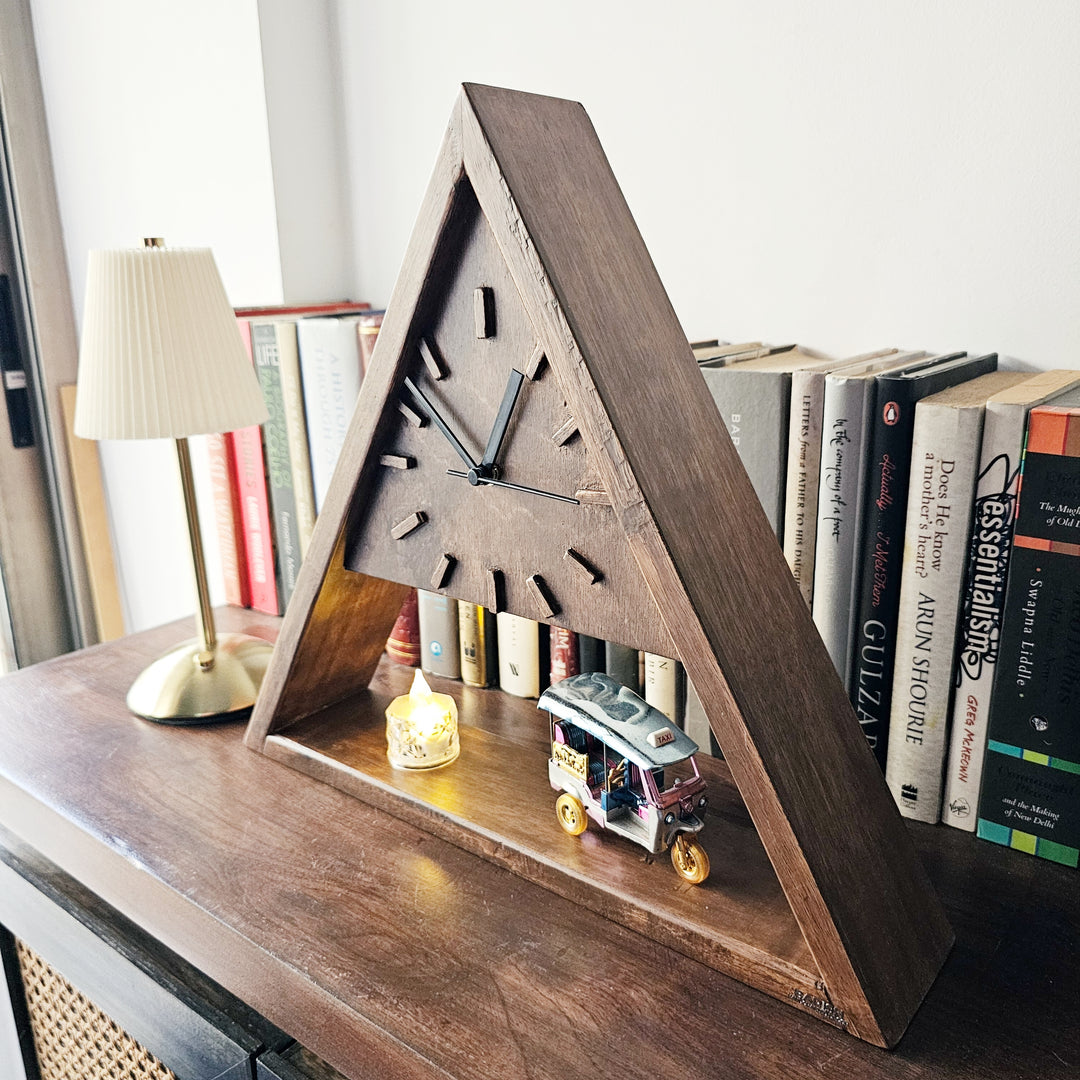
pixel 495 801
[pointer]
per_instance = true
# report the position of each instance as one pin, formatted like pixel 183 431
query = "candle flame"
pixel 419 691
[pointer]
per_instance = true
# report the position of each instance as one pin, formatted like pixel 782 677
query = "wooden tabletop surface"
pixel 391 953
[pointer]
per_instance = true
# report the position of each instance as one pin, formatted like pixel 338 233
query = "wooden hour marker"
pixel 592 497
pixel 429 353
pixel 443 569
pixel 407 525
pixel 484 311
pixel 496 590
pixel 583 566
pixel 397 461
pixel 410 414
pixel 541 594
pixel 535 362
pixel 566 432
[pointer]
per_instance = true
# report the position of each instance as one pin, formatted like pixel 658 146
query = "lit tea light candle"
pixel 421 728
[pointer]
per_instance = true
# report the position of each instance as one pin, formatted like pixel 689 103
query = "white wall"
pixel 157 122
pixel 842 174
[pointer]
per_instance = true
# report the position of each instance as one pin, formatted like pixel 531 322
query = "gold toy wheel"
pixel 690 860
pixel 571 814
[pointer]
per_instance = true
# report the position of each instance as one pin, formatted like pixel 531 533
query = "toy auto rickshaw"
pixel 622 763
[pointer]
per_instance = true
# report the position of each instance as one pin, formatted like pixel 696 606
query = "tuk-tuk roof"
pixel 618 717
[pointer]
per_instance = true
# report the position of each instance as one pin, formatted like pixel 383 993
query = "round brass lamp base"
pixel 191 686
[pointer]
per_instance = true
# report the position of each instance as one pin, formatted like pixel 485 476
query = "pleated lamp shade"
pixel 161 353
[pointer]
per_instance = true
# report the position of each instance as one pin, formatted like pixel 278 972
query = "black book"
pixel 880 553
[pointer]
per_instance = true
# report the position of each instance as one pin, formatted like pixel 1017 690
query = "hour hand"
pixel 502 419
pixel 439 422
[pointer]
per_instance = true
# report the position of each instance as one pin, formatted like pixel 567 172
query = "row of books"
pixel 460 640
pixel 892 482
pixel 269 482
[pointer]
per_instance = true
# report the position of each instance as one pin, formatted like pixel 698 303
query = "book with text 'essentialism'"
pixel 1030 797
pixel 879 557
pixel 989 553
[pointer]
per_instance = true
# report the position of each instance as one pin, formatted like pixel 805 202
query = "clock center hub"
pixel 481 473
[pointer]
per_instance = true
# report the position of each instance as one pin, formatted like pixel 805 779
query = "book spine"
pixel 944 457
pixel 621 663
pixel 1030 796
pixel 696 723
pixel 520 660
pixel 230 528
pixel 292 395
pixel 440 651
pixel 250 483
pixel 368 327
pixel 590 653
pixel 403 644
pixel 255 515
pixel 478 641
pixel 564 654
pixel 264 350
pixel 878 559
pixel 331 369
pixel 754 406
pixel 665 686
pixel 839 515
pixel 988 557
pixel 803 476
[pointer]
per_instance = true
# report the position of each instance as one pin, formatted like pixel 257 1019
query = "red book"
pixel 368 326
pixel 333 307
pixel 564 654
pixel 250 480
pixel 403 644
pixel 230 526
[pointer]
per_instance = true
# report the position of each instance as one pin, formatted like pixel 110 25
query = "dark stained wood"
pixel 839 847
pixel 534 363
pixel 391 953
pixel 432 359
pixel 498 803
pixel 444 567
pixel 484 525
pixel 484 311
pixel 498 212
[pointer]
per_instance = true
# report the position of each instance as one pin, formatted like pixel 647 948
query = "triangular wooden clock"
pixel 525 257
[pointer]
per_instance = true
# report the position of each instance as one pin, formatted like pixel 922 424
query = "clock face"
pixel 482 486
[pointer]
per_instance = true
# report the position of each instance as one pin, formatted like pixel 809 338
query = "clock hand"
pixel 475 478
pixel 440 423
pixel 502 419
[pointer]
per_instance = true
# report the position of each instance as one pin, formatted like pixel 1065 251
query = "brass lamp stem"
pixel 204 616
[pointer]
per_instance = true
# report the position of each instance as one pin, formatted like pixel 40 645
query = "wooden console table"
pixel 391 953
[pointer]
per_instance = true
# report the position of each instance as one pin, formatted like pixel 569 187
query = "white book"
pixel 1004 431
pixel 804 465
pixel 844 425
pixel 440 650
pixel 665 686
pixel 519 654
pixel 331 368
pixel 944 461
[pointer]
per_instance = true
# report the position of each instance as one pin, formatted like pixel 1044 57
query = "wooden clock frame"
pixel 871 935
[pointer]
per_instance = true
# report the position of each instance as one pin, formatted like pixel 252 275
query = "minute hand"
pixel 513 487
pixel 440 423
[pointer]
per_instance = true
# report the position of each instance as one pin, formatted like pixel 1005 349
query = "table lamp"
pixel 161 357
